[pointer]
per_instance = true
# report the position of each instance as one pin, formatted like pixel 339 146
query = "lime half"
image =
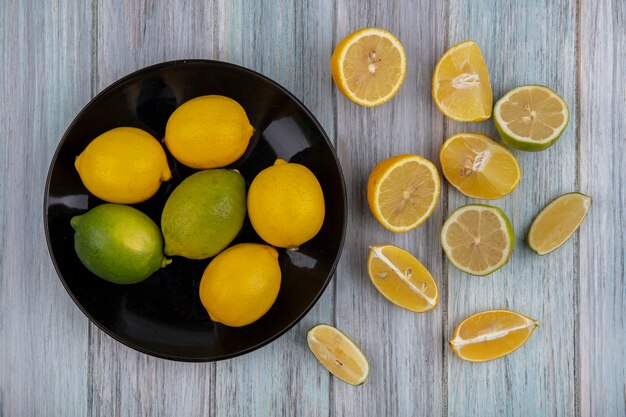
pixel 531 117
pixel 557 222
pixel 478 239
pixel 338 354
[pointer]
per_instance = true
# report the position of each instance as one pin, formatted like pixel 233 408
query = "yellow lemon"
pixel 478 166
pixel 208 132
pixel 402 279
pixel 124 165
pixel 337 353
pixel 461 87
pixel 402 192
pixel 286 204
pixel 369 66
pixel 241 284
pixel 491 335
pixel 557 221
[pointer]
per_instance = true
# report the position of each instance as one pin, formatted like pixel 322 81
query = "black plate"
pixel 163 316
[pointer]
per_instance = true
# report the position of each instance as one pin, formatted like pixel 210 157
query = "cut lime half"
pixel 478 239
pixel 531 117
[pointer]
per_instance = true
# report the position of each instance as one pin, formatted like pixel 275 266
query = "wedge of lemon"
pixel 369 66
pixel 478 239
pixel 491 334
pixel 531 117
pixel 478 166
pixel 337 353
pixel 461 87
pixel 403 191
pixel 557 221
pixel 402 279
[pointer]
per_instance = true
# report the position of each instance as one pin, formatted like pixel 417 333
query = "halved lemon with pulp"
pixel 478 239
pixel 337 353
pixel 402 279
pixel 461 87
pixel 531 117
pixel 479 167
pixel 403 191
pixel 491 334
pixel 369 66
pixel 557 221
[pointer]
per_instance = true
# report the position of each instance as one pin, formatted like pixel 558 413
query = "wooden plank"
pixel 404 348
pixel 523 43
pixel 123 382
pixel 45 70
pixel 291 43
pixel 602 294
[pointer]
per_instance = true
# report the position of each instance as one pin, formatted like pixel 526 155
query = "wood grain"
pixel 123 382
pixel 602 294
pixel 404 348
pixel 523 43
pixel 45 68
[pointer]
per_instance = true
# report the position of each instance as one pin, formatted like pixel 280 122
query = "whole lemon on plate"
pixel 208 132
pixel 286 204
pixel 204 213
pixel 241 284
pixel 124 165
pixel 118 243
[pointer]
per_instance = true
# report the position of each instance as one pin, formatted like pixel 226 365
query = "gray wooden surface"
pixel 55 55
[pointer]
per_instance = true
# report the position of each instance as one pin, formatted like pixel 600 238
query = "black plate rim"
pixel 141 348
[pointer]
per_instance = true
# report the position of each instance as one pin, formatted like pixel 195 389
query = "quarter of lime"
pixel 557 222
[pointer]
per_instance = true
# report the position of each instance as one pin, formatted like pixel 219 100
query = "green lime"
pixel 118 243
pixel 204 214
pixel 531 117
